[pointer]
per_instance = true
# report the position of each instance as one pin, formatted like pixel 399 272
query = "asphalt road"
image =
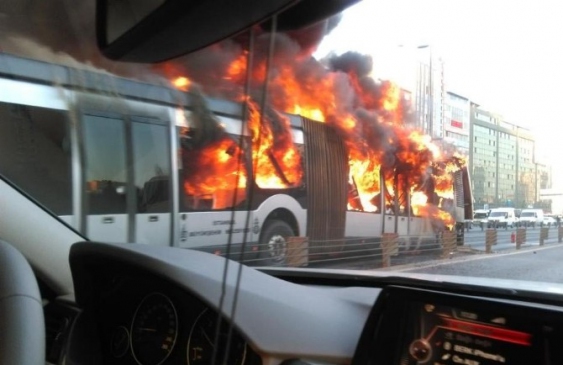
pixel 533 264
pixel 473 247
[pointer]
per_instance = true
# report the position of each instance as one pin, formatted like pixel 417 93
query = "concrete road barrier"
pixel 389 246
pixel 297 251
pixel 544 235
pixel 520 237
pixel 449 242
pixel 490 240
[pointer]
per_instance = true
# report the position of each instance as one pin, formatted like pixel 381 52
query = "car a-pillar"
pixel 279 225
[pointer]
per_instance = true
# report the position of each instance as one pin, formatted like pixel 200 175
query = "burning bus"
pixel 293 176
pixel 166 165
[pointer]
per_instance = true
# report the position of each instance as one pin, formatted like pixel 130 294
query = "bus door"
pixel 105 178
pixel 127 179
pixel 151 180
pixel 389 221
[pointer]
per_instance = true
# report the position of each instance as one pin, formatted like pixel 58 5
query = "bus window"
pixel 151 166
pixel 106 180
pixel 36 154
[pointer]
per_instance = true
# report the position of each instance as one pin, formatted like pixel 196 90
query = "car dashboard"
pixel 144 319
pixel 146 305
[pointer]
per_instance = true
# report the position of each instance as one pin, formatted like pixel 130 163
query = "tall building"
pixel 430 95
pixel 527 192
pixel 502 162
pixel 457 121
pixel 544 175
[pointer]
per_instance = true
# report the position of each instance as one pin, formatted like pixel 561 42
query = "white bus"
pixel 113 158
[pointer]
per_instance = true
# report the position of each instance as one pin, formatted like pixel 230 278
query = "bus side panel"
pixel 107 228
pixel 421 227
pixel 404 226
pixel 389 223
pixel 153 228
pixel 212 229
pixel 363 224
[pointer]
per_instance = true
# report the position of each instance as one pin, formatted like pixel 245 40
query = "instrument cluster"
pixel 147 321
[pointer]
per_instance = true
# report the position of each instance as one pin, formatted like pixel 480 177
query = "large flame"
pixel 371 116
pixel 276 160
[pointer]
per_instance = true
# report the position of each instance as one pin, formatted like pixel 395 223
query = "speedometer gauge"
pixel 154 330
pixel 202 342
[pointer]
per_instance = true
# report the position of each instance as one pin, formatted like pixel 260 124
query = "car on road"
pixel 502 217
pixel 480 218
pixel 549 221
pixel 532 217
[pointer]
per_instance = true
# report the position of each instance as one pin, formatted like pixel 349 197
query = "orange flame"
pixel 223 174
pixel 237 68
pixel 182 83
pixel 277 161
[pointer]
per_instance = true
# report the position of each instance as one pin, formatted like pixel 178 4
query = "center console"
pixel 413 326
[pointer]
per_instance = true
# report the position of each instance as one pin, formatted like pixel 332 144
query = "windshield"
pixel 528 214
pixel 363 141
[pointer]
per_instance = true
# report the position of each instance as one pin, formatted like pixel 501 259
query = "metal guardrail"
pixel 392 250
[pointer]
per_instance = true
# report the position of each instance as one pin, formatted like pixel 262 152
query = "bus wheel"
pixel 273 242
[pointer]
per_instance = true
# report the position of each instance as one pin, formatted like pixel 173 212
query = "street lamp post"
pixel 430 101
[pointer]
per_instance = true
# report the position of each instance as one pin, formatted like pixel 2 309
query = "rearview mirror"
pixel 156 30
pixel 150 31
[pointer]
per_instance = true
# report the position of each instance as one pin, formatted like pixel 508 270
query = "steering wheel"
pixel 22 325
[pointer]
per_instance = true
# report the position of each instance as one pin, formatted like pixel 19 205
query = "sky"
pixel 506 56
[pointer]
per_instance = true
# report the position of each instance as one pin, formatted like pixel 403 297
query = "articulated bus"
pixel 114 158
